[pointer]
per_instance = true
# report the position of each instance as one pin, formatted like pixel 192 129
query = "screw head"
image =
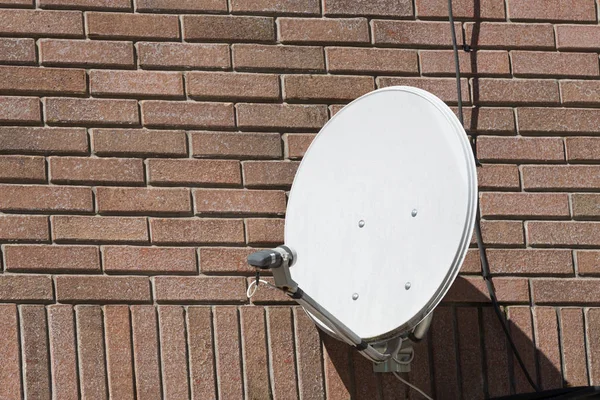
pixel 361 223
pixel 407 285
pixel 355 296
pixel 414 212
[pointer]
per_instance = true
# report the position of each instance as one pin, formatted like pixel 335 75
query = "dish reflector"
pixel 381 211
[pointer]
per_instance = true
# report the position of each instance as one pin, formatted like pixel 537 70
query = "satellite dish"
pixel 379 219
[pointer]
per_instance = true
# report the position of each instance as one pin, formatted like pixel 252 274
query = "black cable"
pixel 485 268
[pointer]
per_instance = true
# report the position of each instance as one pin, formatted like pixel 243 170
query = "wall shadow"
pixel 464 356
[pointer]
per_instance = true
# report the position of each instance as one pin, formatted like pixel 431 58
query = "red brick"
pixel 296 144
pixel 173 352
pixel 201 350
pixel 18 3
pixel 102 171
pixel 264 231
pixel 227 354
pixel 588 262
pixel 414 33
pixel 481 63
pixel 139 142
pixel 143 201
pixel 573 347
pixel 498 35
pixel 34 80
pixel 386 8
pixel 229 86
pixel 148 260
pixel 304 7
pixel 225 260
pixel 267 294
pixel 238 201
pixel 41 23
pixel 197 231
pixel 496 355
pixel 63 353
pixel 67 229
pixel 87 5
pixel 444 353
pixel 34 333
pixel 58 259
pixel 502 233
pixel 466 289
pixel 592 321
pixel 45 198
pixel 235 145
pixel 17 51
pixel 444 88
pixel 563 234
pixel 537 63
pixel 530 262
pixel 309 354
pixel 580 92
pixel 183 55
pixel 563 177
pixel 471 263
pixel 552 10
pixel 254 352
pixel 269 173
pixel 500 121
pixel 187 114
pixel 118 352
pixel 562 121
pixel 336 353
pixel 280 341
pixel 137 84
pixel 20 110
pixel 198 289
pixel 194 172
pixel 10 373
pixel 319 30
pixel 102 289
pixel 498 177
pixel 565 291
pixel 226 28
pixel 91 111
pixel 371 60
pixel 132 26
pixel 181 5
pixel 586 205
pixel 281 116
pixel 24 228
pixel 38 140
pixel 26 288
pixel 577 37
pixel 144 327
pixel 487 9
pixel 547 342
pixel 516 91
pixel 90 342
pixel 520 149
pixel 326 88
pixel 22 169
pixel 366 381
pixel 470 351
pixel 277 58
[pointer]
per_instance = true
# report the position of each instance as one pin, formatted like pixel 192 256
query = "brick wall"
pixel 147 147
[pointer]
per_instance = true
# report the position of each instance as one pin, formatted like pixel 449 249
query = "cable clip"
pixel 467 48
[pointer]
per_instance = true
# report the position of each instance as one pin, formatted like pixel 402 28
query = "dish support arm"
pixel 279 260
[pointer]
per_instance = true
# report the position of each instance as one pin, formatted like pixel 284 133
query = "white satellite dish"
pixel 379 219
